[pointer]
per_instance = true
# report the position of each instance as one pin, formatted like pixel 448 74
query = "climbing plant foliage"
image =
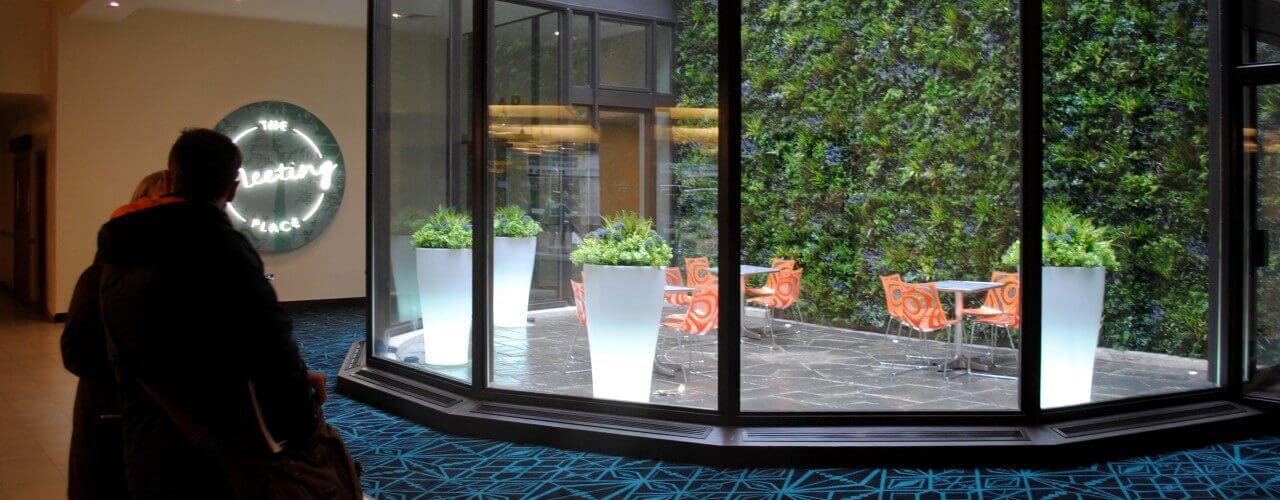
pixel 882 136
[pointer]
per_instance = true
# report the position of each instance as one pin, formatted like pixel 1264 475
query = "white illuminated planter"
pixel 624 310
pixel 1071 319
pixel 404 276
pixel 512 276
pixel 444 286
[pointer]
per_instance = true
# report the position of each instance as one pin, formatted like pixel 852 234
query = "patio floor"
pixel 816 368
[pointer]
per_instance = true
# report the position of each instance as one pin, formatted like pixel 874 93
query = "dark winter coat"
pixel 192 316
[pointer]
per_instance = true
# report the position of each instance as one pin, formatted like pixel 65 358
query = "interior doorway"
pixel 28 169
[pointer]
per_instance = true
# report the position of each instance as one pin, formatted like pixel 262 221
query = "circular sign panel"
pixel 292 178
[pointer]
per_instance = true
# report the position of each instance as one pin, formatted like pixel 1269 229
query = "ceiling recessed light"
pixel 396 15
pixel 113 3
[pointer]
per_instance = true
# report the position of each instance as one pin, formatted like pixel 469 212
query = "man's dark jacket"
pixel 192 316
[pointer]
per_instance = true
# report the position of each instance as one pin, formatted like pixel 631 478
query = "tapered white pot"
pixel 404 276
pixel 512 276
pixel 444 285
pixel 1071 320
pixel 624 310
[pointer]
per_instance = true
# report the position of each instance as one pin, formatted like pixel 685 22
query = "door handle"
pixel 1260 247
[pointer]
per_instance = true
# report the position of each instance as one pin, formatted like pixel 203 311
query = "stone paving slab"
pixel 815 368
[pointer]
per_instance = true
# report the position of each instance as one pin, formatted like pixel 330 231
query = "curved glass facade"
pixel 572 207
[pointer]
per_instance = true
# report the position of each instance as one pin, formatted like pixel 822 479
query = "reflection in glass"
pixel 1262 156
pixel 526 57
pixel 581 50
pixel 425 320
pixel 623 54
pixel 662 52
pixel 1128 155
pixel 1261 31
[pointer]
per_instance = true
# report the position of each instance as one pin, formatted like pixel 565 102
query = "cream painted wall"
pixel 126 89
pixel 25 51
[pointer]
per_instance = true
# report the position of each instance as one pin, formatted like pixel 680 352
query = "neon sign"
pixel 292 179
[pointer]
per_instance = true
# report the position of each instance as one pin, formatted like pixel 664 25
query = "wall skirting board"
pixel 291 306
pixel 297 305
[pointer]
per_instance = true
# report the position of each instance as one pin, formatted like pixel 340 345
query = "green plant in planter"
pixel 511 221
pixel 444 229
pixel 1068 240
pixel 625 239
pixel 408 221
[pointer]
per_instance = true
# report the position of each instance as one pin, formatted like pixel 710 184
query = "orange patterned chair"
pixel 702 316
pixel 579 302
pixel 1002 309
pixel 892 304
pixel 674 277
pixel 698 272
pixel 771 281
pixel 785 295
pixel 920 310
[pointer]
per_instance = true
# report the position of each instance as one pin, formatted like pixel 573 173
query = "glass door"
pixel 1262 158
pixel 534 155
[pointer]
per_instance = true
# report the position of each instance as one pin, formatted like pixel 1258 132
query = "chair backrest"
pixel 771 280
pixel 704 311
pixel 1007 299
pixel 674 277
pixel 698 272
pixel 892 301
pixel 921 308
pixel 787 293
pixel 579 301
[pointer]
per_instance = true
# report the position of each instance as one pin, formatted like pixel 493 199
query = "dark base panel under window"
pixel 1074 441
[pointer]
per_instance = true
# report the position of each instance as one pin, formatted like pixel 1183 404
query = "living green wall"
pixel 882 136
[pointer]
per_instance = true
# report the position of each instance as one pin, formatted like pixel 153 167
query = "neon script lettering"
pixel 283 226
pixel 283 173
pixel 274 125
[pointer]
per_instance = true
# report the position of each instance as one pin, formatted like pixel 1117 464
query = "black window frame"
pixel 1227 278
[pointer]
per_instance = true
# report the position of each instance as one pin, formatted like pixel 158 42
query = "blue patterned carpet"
pixel 405 460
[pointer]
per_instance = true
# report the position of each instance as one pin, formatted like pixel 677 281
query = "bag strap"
pixel 198 434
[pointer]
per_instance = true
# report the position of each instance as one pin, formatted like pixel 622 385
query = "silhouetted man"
pixel 194 324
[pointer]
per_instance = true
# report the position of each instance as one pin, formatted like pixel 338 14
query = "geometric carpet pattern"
pixel 405 460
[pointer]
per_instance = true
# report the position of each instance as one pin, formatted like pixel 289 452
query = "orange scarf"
pixel 143 204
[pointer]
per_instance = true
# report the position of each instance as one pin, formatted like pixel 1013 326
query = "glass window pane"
pixel 606 326
pixel 581 47
pixel 1262 157
pixel 1126 234
pixel 662 38
pixel 427 176
pixel 1261 31
pixel 623 54
pixel 526 58
pixel 880 180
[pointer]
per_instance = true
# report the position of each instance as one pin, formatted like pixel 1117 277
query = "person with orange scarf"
pixel 95 468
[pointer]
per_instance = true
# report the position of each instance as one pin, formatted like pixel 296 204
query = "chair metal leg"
pixel 768 322
pixel 1017 356
pixel 684 369
pixel 573 345
pixel 911 368
pixel 991 343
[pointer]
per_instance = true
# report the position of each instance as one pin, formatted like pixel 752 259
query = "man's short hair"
pixel 204 164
